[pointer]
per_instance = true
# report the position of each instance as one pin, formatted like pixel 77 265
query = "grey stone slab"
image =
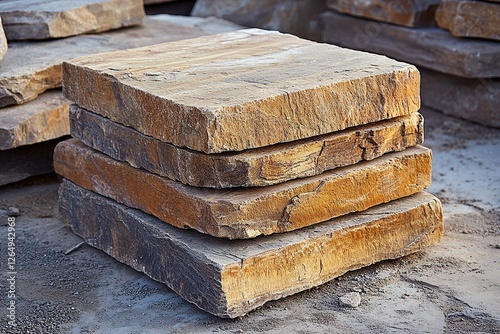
pixel 39 120
pixel 30 68
pixel 432 48
pixel 258 167
pixel 229 278
pixel 40 19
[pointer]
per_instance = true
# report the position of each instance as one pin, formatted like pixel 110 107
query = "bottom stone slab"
pixel 230 278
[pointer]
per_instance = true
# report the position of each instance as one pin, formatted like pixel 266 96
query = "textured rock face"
pixel 40 19
pixel 407 12
pixel 40 120
pixel 248 212
pixel 476 100
pixel 28 69
pixel 3 41
pixel 231 278
pixel 22 162
pixel 258 167
pixel 431 48
pixel 297 17
pixel 241 90
pixel 470 18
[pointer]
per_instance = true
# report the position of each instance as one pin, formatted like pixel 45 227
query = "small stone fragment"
pixel 35 19
pixel 351 299
pixel 13 211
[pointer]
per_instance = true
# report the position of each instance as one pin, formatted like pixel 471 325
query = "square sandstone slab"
pixel 256 167
pixel 241 90
pixel 242 213
pixel 229 278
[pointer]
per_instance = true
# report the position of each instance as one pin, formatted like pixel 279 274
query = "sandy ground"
pixel 453 287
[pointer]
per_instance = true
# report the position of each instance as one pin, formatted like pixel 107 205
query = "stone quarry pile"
pixel 247 166
pixel 454 43
pixel 43 34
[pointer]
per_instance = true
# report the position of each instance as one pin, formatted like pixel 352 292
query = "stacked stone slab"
pixel 32 107
pixel 247 166
pixel 459 67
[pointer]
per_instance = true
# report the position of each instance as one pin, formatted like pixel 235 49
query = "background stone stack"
pixel 43 34
pixel 460 72
pixel 309 148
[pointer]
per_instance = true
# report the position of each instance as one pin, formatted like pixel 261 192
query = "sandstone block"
pixel 476 100
pixel 470 18
pixel 36 19
pixel 23 162
pixel 229 278
pixel 258 167
pixel 3 41
pixel 248 212
pixel 241 90
pixel 432 48
pixel 40 120
pixel 409 13
pixel 30 68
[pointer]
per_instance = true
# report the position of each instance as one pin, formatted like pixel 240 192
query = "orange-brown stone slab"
pixel 230 278
pixel 409 13
pixel 470 18
pixel 430 47
pixel 240 90
pixel 248 212
pixel 257 167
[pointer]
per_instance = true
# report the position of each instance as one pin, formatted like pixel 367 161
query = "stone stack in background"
pixel 460 75
pixel 3 41
pixel 309 148
pixel 33 111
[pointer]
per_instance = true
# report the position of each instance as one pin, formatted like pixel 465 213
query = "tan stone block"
pixel 470 18
pixel 229 278
pixel 432 48
pixel 3 41
pixel 241 90
pixel 40 120
pixel 38 19
pixel 30 68
pixel 476 100
pixel 248 212
pixel 257 167
pixel 409 13
pixel 297 17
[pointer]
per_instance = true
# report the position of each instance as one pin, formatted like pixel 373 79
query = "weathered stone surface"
pixel 470 18
pixel 229 278
pixel 409 13
pixel 248 212
pixel 477 100
pixel 3 41
pixel 22 162
pixel 30 68
pixel 40 19
pixel 40 120
pixel 257 167
pixel 152 2
pixel 297 17
pixel 241 90
pixel 432 48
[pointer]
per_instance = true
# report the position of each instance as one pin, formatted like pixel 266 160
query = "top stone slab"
pixel 241 90
pixel 40 19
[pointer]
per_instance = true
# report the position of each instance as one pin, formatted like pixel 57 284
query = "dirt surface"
pixel 453 287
